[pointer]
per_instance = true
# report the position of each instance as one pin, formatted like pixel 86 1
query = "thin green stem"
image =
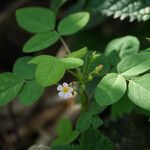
pixel 74 74
pixel 65 45
pixel 84 99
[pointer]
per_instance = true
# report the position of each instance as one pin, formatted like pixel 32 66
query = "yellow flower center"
pixel 65 89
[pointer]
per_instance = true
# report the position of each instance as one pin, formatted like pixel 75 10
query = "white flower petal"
pixel 59 88
pixel 66 95
pixel 61 94
pixel 70 94
pixel 71 89
pixel 65 84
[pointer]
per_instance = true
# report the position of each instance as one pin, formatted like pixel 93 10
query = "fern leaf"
pixel 134 9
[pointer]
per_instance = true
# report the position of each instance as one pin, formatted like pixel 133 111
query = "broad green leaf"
pixel 24 70
pixel 10 86
pixel 139 91
pixel 93 140
pixel 49 73
pixel 134 65
pixel 96 122
pixel 71 63
pixel 49 70
pixel 79 53
pixel 110 89
pixel 84 121
pixel 119 48
pixel 40 41
pixel 41 58
pixel 122 107
pixel 73 23
pixel 30 92
pixel 56 4
pixel 36 19
pixel 65 133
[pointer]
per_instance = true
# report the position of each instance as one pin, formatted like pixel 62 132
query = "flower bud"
pixel 98 69
pixel 94 55
pixel 90 78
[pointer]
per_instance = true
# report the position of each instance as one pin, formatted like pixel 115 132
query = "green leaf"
pixel 71 63
pixel 49 70
pixel 41 58
pixel 36 19
pixel 119 48
pixel 30 92
pixel 122 107
pixel 110 89
pixel 66 147
pixel 134 65
pixel 40 41
pixel 79 53
pixel 65 133
pixel 84 121
pixel 95 109
pixel 56 4
pixel 89 140
pixel 49 73
pixel 93 140
pixel 139 91
pixel 73 23
pixel 64 127
pixel 10 86
pixel 24 70
pixel 97 122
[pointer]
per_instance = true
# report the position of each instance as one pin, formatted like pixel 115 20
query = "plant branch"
pixel 65 45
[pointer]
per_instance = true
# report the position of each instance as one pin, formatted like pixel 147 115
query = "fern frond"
pixel 134 9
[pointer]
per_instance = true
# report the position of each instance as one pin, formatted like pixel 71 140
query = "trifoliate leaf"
pixel 110 89
pixel 36 19
pixel 10 86
pixel 73 23
pixel 30 92
pixel 119 48
pixel 40 41
pixel 139 91
pixel 23 69
pixel 49 70
pixel 134 65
